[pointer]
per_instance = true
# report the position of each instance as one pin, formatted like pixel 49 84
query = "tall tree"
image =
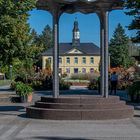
pixel 45 38
pixel 118 48
pixel 134 10
pixel 14 29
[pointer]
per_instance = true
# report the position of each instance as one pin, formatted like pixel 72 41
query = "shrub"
pixel 37 84
pixel 93 85
pixel 123 84
pixel 64 85
pixel 86 76
pixel 134 91
pixel 23 89
pixel 13 85
pixel 77 82
pixel 47 83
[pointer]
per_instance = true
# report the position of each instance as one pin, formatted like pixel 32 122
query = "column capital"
pixel 55 11
pixel 103 15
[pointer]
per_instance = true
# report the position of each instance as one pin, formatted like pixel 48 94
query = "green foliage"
pixel 23 69
pixel 134 10
pixel 64 85
pixel 93 85
pixel 123 84
pixel 36 48
pixel 118 48
pixel 4 82
pixel 134 91
pixel 44 40
pixel 14 29
pixel 86 76
pixel 23 89
pixel 37 85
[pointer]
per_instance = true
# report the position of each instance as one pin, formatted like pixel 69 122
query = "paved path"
pixel 15 126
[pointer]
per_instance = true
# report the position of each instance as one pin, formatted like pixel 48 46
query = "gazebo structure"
pixel 101 8
pixel 80 107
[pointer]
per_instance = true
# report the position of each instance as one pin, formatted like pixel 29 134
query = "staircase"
pixel 80 108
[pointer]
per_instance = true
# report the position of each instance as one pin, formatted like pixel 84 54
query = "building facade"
pixel 75 57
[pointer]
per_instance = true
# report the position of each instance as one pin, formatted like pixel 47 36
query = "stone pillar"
pixel 102 59
pixel 103 15
pixel 55 54
pixel 106 55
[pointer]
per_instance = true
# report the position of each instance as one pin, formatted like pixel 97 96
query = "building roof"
pixel 65 48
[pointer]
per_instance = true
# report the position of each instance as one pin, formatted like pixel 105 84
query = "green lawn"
pixel 4 82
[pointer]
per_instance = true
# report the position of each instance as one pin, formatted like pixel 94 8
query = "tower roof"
pixel 75 26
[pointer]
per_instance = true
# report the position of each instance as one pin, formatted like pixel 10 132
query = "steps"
pixel 8 98
pixel 5 98
pixel 80 108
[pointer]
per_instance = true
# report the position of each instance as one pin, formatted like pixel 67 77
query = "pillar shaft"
pixel 102 60
pixel 55 55
pixel 106 56
pixel 103 15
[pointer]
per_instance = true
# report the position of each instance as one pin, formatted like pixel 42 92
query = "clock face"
pixel 77 35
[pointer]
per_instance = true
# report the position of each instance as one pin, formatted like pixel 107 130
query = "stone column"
pixel 55 54
pixel 106 56
pixel 102 59
pixel 103 15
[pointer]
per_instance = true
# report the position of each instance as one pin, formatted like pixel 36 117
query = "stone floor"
pixel 15 126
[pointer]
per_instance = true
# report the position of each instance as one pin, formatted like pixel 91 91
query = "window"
pixel 60 71
pixel 91 60
pixel 76 60
pixel 50 60
pixel 83 70
pixel 84 60
pixel 67 70
pixel 60 60
pixel 91 70
pixel 76 51
pixel 75 70
pixel 68 60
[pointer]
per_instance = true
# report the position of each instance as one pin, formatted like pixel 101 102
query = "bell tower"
pixel 76 34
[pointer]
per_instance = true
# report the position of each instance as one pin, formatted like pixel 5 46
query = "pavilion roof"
pixel 83 6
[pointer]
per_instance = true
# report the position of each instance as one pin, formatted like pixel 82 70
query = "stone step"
pixel 5 99
pixel 81 114
pixel 81 99
pixel 80 106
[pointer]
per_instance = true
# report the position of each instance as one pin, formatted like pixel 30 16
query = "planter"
pixel 29 98
pixel 23 99
pixel 24 91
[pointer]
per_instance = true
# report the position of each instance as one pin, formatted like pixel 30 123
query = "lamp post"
pixel 11 72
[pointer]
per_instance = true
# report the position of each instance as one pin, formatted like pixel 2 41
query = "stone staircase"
pixel 5 98
pixel 78 107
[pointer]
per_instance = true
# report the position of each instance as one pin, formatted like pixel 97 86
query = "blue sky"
pixel 88 24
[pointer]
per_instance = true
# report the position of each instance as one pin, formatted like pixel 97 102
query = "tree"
pixel 118 48
pixel 134 10
pixel 45 39
pixel 14 29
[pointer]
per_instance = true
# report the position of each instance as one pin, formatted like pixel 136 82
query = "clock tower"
pixel 76 34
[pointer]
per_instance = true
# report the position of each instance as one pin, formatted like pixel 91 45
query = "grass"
pixel 4 82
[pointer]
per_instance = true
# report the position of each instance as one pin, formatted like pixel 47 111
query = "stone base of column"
pixel 80 108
